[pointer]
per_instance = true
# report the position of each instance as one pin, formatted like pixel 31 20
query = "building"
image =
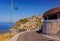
pixel 51 25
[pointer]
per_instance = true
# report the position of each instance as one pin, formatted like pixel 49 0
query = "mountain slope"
pixel 30 23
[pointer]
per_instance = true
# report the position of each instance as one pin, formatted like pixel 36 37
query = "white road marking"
pixel 51 37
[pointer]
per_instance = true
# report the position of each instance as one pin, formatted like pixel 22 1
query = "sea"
pixel 5 27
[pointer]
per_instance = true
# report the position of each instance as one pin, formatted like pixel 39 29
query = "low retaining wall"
pixel 51 27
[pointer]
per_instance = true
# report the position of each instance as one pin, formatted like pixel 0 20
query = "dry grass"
pixel 6 37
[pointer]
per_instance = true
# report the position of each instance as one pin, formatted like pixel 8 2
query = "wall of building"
pixel 51 26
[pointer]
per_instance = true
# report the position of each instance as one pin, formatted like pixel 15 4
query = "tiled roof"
pixel 52 11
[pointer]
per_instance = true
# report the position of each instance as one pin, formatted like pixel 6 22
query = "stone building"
pixel 51 25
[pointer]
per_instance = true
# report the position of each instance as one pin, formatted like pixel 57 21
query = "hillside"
pixel 27 24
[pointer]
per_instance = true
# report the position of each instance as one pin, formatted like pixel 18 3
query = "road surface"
pixel 32 36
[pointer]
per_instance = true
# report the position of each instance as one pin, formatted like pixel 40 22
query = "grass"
pixel 6 37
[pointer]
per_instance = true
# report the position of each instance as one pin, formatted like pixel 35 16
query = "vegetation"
pixel 6 36
pixel 28 23
pixel 23 21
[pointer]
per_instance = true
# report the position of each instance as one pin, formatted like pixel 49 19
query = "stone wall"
pixel 51 27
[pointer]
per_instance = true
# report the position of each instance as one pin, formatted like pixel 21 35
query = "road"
pixel 32 36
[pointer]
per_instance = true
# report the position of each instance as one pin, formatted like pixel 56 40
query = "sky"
pixel 26 8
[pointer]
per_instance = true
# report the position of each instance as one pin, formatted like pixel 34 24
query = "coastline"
pixel 4 31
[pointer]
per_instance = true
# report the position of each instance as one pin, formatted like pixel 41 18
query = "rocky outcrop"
pixel 31 23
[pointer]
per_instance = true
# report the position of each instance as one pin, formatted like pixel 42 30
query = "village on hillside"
pixel 27 24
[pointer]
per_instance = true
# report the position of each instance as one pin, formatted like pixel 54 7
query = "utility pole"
pixel 11 9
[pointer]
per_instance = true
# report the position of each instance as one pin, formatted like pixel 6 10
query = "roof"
pixel 52 11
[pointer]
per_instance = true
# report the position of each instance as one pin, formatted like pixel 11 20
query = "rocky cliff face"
pixel 31 23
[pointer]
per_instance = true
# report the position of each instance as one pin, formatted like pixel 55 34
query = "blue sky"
pixel 27 8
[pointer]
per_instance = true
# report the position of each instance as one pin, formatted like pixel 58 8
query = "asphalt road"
pixel 32 36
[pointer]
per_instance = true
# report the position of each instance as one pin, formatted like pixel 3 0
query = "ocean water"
pixel 5 27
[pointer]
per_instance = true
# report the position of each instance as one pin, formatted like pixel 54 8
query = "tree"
pixel 23 21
